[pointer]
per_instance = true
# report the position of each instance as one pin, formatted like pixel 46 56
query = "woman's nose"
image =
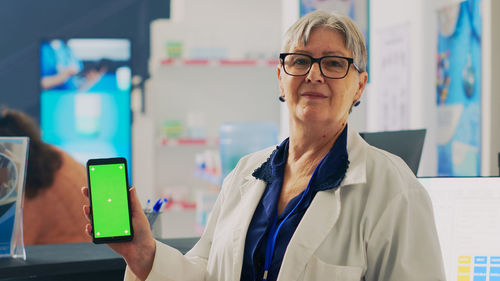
pixel 314 74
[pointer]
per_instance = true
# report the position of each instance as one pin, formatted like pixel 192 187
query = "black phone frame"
pixel 105 161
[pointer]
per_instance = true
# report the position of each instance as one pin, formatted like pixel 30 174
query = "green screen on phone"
pixel 108 193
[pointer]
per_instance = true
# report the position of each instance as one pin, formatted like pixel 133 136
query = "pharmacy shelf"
pixel 220 91
pixel 163 141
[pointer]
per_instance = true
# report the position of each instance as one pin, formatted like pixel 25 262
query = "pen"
pixel 156 209
pixel 157 205
pixel 150 212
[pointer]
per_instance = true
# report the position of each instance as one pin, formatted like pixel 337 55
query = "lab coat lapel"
pixel 356 149
pixel 251 192
pixel 312 230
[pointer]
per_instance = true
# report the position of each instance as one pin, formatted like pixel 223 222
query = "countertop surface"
pixel 43 261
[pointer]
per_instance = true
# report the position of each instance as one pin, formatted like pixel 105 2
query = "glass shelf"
pixel 163 141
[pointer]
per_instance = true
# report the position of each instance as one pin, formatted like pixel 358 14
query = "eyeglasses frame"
pixel 318 60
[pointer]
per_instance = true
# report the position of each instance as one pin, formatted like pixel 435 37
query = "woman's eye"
pixel 300 62
pixel 333 63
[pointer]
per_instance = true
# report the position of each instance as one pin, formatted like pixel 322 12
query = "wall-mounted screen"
pixel 85 96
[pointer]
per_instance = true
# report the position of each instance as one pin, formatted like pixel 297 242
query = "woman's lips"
pixel 313 95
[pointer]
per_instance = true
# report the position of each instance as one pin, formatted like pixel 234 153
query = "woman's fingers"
pixel 86 211
pixel 86 208
pixel 85 191
pixel 134 201
pixel 88 229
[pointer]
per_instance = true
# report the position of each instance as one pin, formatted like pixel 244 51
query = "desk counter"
pixel 75 262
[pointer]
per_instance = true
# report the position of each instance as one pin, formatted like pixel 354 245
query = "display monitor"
pixel 467 216
pixel 85 96
pixel 406 144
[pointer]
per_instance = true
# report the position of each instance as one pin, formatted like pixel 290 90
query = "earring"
pixel 281 98
pixel 357 103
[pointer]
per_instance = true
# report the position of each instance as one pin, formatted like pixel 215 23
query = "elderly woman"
pixel 323 205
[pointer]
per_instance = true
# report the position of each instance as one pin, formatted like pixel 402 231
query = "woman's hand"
pixel 138 253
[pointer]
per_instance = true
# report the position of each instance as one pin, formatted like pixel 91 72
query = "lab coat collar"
pixel 328 174
pixel 356 149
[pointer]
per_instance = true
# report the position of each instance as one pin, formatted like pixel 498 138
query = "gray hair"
pixel 353 38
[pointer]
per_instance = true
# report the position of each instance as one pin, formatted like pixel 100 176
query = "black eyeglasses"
pixel 334 67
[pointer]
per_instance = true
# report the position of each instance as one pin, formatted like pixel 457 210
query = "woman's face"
pixel 314 98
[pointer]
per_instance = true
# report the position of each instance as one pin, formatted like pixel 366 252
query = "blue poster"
pixel 458 92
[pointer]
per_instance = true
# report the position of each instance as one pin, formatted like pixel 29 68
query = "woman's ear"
pixel 278 71
pixel 363 79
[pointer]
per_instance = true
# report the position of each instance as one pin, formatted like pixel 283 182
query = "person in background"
pixel 323 205
pixel 52 202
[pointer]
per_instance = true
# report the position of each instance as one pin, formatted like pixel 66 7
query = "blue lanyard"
pixel 273 232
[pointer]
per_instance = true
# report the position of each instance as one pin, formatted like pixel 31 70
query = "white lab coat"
pixel 377 225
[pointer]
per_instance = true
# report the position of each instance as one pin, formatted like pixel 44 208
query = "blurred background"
pixel 184 88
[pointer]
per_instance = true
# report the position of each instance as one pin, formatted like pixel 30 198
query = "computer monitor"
pixel 467 215
pixel 85 96
pixel 406 144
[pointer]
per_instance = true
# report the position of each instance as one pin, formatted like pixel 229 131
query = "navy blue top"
pixel 329 173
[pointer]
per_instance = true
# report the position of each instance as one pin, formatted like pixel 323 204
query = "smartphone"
pixel 109 200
